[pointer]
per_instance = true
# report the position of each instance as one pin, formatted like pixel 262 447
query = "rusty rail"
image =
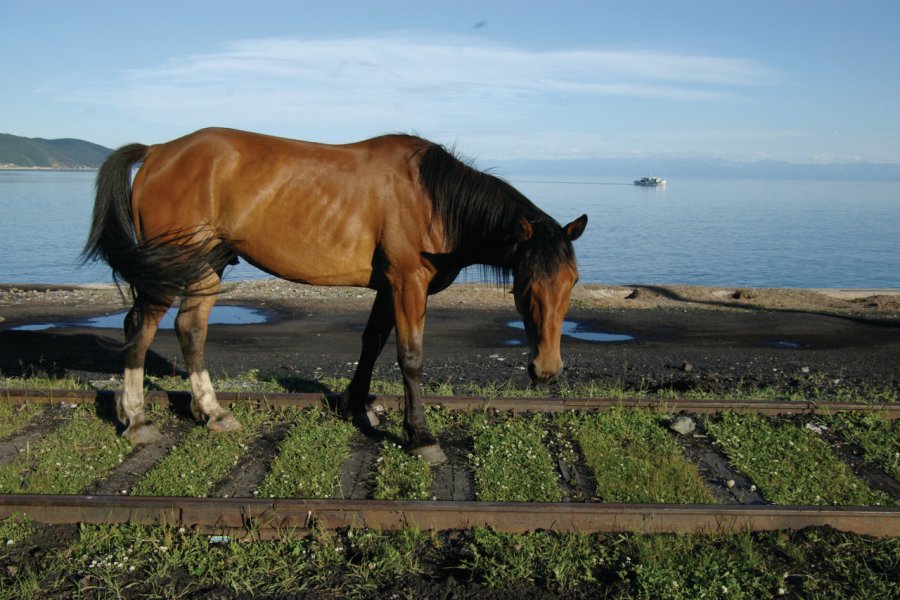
pixel 514 404
pixel 274 518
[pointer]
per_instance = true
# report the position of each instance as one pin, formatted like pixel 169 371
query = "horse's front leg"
pixel 409 314
pixel 355 400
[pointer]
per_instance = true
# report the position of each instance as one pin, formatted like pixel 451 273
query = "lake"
pixel 753 233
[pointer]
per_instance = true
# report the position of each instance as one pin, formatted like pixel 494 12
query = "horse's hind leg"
pixel 191 326
pixel 141 324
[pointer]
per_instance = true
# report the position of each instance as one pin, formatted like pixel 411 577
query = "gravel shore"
pixel 683 337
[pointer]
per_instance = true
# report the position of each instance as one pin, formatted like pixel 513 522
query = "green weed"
pixel 831 564
pixel 511 462
pixel 634 459
pixel 13 530
pixel 790 465
pixel 559 561
pixel 39 380
pixel 202 459
pixel 399 475
pixel 696 566
pixel 381 557
pixel 310 457
pixel 68 459
pixel 878 437
pixel 14 417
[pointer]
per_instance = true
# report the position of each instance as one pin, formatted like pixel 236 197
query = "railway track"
pixel 271 518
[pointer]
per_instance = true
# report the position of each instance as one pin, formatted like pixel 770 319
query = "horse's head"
pixel 544 273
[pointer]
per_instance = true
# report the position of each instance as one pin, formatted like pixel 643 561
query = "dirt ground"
pixel 683 337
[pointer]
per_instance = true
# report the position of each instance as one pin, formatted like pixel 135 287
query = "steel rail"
pixel 276 518
pixel 514 404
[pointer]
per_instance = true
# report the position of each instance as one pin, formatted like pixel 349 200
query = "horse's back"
pixel 304 211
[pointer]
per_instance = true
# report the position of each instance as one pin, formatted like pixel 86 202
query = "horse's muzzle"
pixel 542 375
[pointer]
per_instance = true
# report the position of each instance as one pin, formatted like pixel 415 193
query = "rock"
pixel 687 367
pixel 683 425
pixel 817 429
pixel 730 484
pixel 804 370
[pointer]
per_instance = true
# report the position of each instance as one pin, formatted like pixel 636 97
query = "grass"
pixel 634 459
pixel 878 437
pixel 68 459
pixel 398 474
pixel 36 380
pixel 378 558
pixel 558 561
pixel 510 454
pixel 696 566
pixel 201 460
pixel 14 417
pixel 14 530
pixel 310 457
pixel 789 464
pixel 164 562
pixel 511 462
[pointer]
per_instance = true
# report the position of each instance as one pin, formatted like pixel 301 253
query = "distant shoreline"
pixel 18 168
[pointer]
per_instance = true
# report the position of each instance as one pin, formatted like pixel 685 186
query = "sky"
pixel 792 80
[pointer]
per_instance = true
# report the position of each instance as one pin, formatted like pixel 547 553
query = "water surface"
pixel 752 233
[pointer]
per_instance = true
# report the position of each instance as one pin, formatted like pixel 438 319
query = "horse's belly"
pixel 312 259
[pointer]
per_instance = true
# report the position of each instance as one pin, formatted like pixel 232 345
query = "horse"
pixel 397 213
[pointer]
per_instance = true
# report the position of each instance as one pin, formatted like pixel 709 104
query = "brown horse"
pixel 397 214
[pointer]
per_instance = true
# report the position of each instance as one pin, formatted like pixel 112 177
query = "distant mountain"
pixel 18 151
pixel 673 168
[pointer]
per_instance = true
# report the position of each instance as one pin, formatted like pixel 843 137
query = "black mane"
pixel 480 214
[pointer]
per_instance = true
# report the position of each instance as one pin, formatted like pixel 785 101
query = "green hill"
pixel 18 151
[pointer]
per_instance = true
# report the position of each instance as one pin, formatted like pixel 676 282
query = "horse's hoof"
pixel 223 422
pixel 431 454
pixel 145 433
pixel 367 419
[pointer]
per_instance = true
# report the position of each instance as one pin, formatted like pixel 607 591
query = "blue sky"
pixel 796 80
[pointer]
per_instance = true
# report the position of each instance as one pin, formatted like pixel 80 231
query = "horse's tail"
pixel 159 268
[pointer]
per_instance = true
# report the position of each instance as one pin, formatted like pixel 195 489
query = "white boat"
pixel 650 181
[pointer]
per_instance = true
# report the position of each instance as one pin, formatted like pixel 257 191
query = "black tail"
pixel 158 268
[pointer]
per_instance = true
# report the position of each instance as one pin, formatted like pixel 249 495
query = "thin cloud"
pixel 423 81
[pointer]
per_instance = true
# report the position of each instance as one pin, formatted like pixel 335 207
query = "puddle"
pixel 788 345
pixel 221 315
pixel 576 330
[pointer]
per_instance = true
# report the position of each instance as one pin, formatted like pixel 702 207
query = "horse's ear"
pixel 522 230
pixel 576 228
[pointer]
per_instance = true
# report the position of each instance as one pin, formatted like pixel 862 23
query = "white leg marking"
pixel 204 402
pixel 130 408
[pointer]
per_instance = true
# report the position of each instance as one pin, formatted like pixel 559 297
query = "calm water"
pixel 707 232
